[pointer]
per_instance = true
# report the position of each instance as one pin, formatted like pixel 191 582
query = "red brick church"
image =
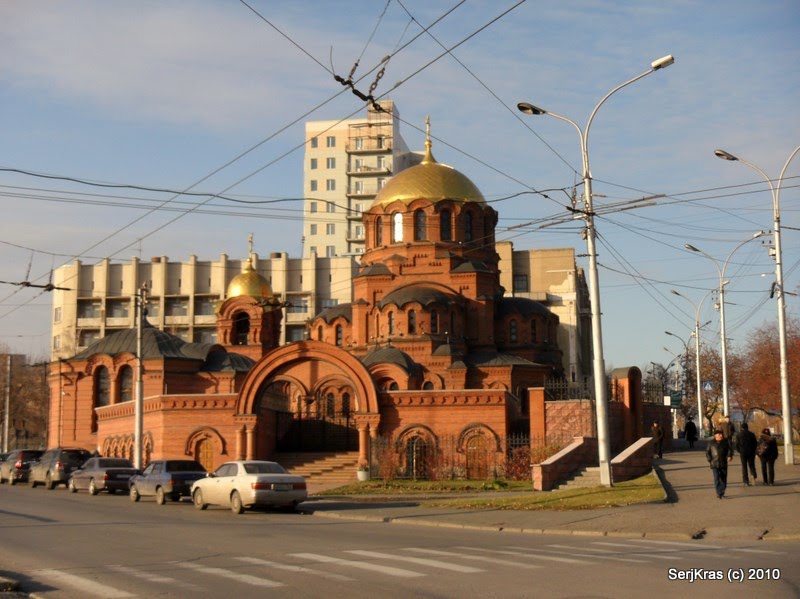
pixel 429 349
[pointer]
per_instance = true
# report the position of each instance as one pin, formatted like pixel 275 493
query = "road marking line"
pixel 278 566
pixel 605 553
pixel 433 563
pixel 666 554
pixel 388 570
pixel 678 544
pixel 533 553
pixel 84 585
pixel 245 578
pixel 477 558
pixel 767 551
pixel 152 577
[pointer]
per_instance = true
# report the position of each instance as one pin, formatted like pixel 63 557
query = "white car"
pixel 249 483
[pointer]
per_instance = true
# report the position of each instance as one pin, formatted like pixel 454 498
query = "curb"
pixel 8 585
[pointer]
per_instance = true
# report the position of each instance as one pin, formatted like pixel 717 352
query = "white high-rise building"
pixel 346 163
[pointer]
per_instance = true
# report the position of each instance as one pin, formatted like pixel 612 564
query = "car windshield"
pixel 30 455
pixel 114 463
pixel 76 456
pixel 264 468
pixel 184 466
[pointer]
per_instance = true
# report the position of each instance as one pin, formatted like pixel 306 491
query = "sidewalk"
pixel 691 509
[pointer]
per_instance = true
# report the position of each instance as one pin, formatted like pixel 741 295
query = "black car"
pixel 102 474
pixel 56 465
pixel 17 465
pixel 166 479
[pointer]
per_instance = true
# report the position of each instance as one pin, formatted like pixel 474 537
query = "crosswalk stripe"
pixel 433 563
pixel 699 546
pixel 528 552
pixel 289 568
pixel 153 577
pixel 244 578
pixel 388 570
pixel 478 558
pixel 84 585
pixel 669 554
pixel 605 554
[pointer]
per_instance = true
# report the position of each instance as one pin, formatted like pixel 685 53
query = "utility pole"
pixel 141 299
pixel 7 404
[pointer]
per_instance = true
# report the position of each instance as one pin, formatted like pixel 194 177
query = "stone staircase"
pixel 585 477
pixel 321 468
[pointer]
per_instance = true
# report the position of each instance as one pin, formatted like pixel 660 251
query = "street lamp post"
pixel 723 338
pixel 598 365
pixel 786 405
pixel 697 308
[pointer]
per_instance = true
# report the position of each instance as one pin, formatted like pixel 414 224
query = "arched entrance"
pixel 418 457
pixel 477 458
pixel 204 454
pixel 307 396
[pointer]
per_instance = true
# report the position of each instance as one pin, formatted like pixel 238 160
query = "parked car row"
pixel 239 485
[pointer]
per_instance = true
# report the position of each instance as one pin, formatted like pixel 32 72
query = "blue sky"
pixel 162 94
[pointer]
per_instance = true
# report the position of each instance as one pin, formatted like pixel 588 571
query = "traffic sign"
pixel 708 386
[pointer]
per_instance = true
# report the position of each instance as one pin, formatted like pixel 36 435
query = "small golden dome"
pixel 430 180
pixel 248 282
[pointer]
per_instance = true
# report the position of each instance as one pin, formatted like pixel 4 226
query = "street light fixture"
pixel 598 365
pixel 723 338
pixel 697 309
pixel 786 405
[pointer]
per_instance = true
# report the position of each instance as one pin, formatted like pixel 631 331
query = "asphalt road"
pixel 63 545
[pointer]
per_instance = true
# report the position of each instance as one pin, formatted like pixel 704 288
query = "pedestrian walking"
pixel 728 430
pixel 718 454
pixel 746 446
pixel 690 432
pixel 657 433
pixel 767 450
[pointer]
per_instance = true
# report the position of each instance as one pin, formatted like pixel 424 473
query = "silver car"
pixel 249 483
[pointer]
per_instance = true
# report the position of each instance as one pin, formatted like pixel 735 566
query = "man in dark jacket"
pixel 657 433
pixel 767 450
pixel 691 433
pixel 718 454
pixel 746 446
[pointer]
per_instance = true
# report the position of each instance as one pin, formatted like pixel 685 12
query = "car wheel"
pixel 197 499
pixel 71 486
pixel 32 482
pixel 48 483
pixel 92 488
pixel 161 498
pixel 134 494
pixel 12 481
pixel 236 503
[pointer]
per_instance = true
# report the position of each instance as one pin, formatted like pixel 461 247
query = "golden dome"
pixel 249 283
pixel 429 180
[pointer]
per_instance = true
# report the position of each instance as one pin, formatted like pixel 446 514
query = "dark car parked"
pixel 56 465
pixel 166 479
pixel 102 474
pixel 17 465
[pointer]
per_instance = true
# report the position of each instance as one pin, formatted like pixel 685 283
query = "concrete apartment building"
pixel 346 163
pixel 182 296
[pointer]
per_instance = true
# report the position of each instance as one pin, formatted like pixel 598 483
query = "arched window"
pixel 468 226
pixel 319 333
pixel 391 323
pixel 339 335
pixel 241 328
pixel 126 384
pixel 378 232
pixel 512 331
pixel 330 406
pixel 420 223
pixel 394 386
pixel 102 387
pixel 412 322
pixel 533 332
pixel 397 227
pixel 446 225
pixel 427 386
pixel 346 405
pixel 434 322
